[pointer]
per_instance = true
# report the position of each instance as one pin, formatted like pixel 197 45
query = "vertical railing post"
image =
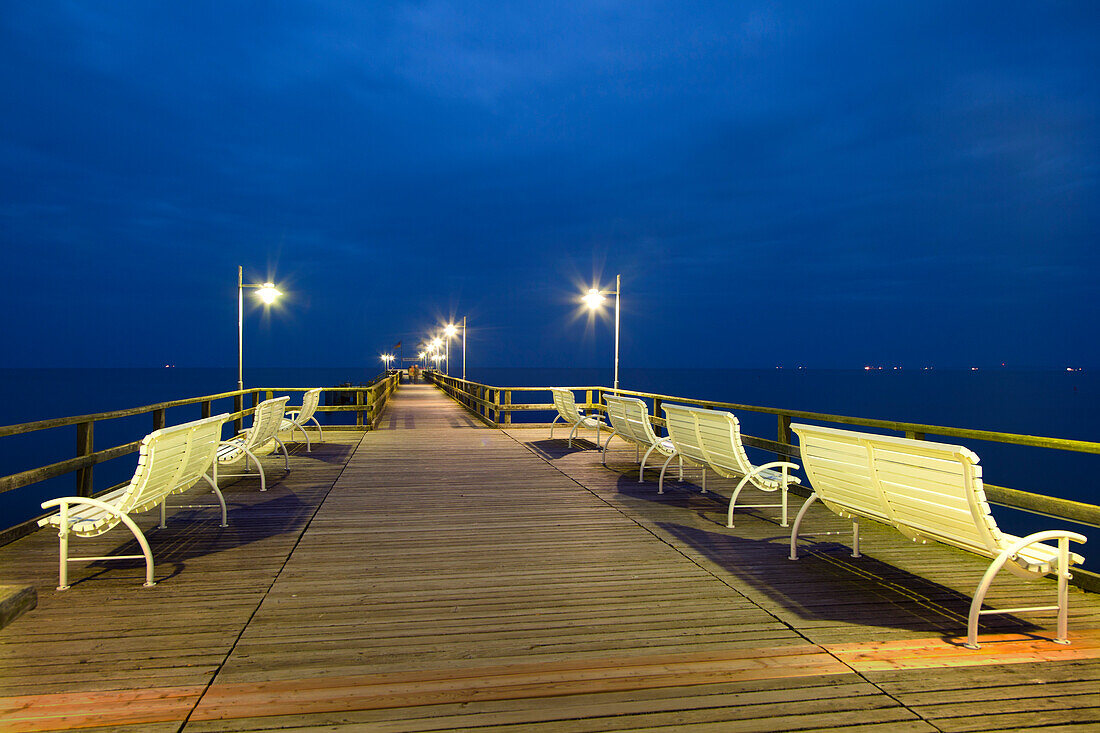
pixel 84 447
pixel 158 419
pixel 256 399
pixel 204 408
pixel 496 405
pixel 656 407
pixel 269 394
pixel 587 398
pixel 238 405
pixel 783 433
pixel 507 401
pixel 359 408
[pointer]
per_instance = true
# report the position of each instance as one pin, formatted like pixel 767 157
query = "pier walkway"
pixel 437 574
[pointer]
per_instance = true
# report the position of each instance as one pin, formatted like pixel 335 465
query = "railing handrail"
pixel 380 388
pixel 60 422
pixel 1066 509
pixel 1079 446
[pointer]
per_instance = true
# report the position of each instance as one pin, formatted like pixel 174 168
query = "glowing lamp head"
pixel 593 299
pixel 268 293
pixel 450 329
pixel 436 343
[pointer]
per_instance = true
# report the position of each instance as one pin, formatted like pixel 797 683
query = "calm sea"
pixel 1045 403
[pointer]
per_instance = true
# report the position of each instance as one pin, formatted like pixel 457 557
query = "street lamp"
pixel 267 293
pixel 594 298
pixel 449 331
pixel 386 359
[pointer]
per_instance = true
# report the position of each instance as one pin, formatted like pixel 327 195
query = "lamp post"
pixel 435 345
pixel 267 293
pixel 593 299
pixel 386 359
pixel 449 331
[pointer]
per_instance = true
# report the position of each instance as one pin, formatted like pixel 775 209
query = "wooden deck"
pixel 440 575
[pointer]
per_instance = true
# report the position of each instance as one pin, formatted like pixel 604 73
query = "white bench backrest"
pixel 720 437
pixel 929 491
pixel 682 431
pixel 310 400
pixel 838 465
pixel 566 405
pixel 171 460
pixel 629 418
pixel 266 421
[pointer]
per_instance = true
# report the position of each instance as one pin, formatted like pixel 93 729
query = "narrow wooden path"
pixel 440 575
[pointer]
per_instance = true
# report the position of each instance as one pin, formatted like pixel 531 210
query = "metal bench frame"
pixel 266 423
pixel 298 418
pixel 929 492
pixel 629 418
pixel 170 460
pixel 566 405
pixel 712 439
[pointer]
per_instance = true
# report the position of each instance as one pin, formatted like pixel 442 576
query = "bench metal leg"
pixel 641 467
pixel 1009 552
pixel 798 523
pixel 603 454
pixel 320 433
pixel 286 456
pixel 661 481
pixel 63 549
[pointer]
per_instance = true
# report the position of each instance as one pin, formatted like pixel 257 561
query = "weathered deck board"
pixel 439 575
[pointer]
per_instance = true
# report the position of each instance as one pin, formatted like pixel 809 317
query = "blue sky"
pixel 828 184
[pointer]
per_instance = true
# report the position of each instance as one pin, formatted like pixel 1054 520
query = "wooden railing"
pixel 369 402
pixel 495 406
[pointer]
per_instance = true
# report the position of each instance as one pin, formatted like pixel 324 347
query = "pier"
pixel 441 574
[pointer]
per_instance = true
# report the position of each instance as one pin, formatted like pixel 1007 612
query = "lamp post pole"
pixel 268 294
pixel 463 348
pixel 594 299
pixel 618 289
pixel 240 327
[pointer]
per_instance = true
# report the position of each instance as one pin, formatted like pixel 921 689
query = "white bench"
pixel 170 460
pixel 712 439
pixel 297 419
pixel 629 418
pixel 572 415
pixel 266 423
pixel 928 492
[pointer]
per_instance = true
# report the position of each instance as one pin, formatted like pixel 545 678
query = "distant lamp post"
pixel 267 293
pixel 387 359
pixel 449 331
pixel 594 298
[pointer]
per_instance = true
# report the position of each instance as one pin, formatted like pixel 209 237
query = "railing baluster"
pixel 783 435
pixel 84 442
